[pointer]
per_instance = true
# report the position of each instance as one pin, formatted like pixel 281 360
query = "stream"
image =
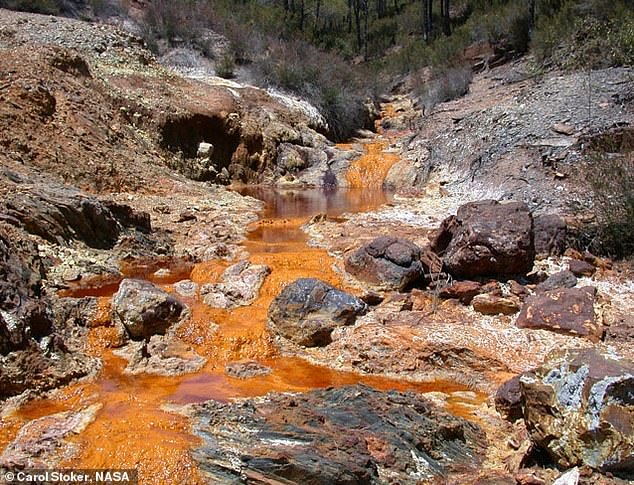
pixel 135 426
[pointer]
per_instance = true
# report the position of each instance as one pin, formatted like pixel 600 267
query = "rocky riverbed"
pixel 152 318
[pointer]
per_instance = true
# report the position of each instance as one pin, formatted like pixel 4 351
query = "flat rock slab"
pixel 494 305
pixel 246 369
pixel 42 443
pixel 579 406
pixel 349 435
pixel 567 310
pixel 161 355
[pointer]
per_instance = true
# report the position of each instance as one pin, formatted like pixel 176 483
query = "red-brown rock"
pixel 488 304
pixel 389 262
pixel 461 290
pixel 487 238
pixel 567 310
pixel 581 268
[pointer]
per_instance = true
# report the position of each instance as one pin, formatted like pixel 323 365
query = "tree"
pixel 427 24
pixel 444 14
pixel 531 15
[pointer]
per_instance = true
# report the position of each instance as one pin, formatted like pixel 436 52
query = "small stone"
pixel 186 216
pixel 494 305
pixel 205 150
pixel 186 288
pixel 563 129
pixel 563 279
pixel 581 268
pixel 246 369
pixel 464 291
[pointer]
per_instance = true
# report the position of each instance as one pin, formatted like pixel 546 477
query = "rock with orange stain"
pixel 162 355
pixel 442 339
pixel 42 443
pixel 308 310
pixel 239 286
pixel 335 436
pixel 144 309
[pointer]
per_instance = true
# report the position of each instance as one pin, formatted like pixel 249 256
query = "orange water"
pixel 132 429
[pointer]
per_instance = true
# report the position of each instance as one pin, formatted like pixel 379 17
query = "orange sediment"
pixel 371 168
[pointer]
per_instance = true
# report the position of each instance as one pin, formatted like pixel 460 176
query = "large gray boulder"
pixel 389 262
pixel 579 406
pixel 308 310
pixel 487 238
pixel 144 309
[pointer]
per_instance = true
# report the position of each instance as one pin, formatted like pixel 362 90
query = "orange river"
pixel 133 429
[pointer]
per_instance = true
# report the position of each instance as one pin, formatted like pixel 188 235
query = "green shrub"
pixel 446 84
pixel 225 67
pixel 320 77
pixel 586 34
pixel 609 171
pixel 48 7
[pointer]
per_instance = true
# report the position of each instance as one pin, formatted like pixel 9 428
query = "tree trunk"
pixel 350 16
pixel 366 9
pixel 357 22
pixel 444 13
pixel 531 15
pixel 426 19
pixel 302 14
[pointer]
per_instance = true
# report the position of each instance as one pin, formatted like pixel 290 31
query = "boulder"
pixel 308 310
pixel 144 309
pixel 567 310
pixel 389 262
pixel 562 279
pixel 487 238
pixel 488 304
pixel 550 235
pixel 337 436
pixel 579 407
pixel 581 268
pixel 239 286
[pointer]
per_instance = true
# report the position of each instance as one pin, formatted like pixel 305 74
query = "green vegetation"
pixel 609 169
pixel 586 34
pixel 338 53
